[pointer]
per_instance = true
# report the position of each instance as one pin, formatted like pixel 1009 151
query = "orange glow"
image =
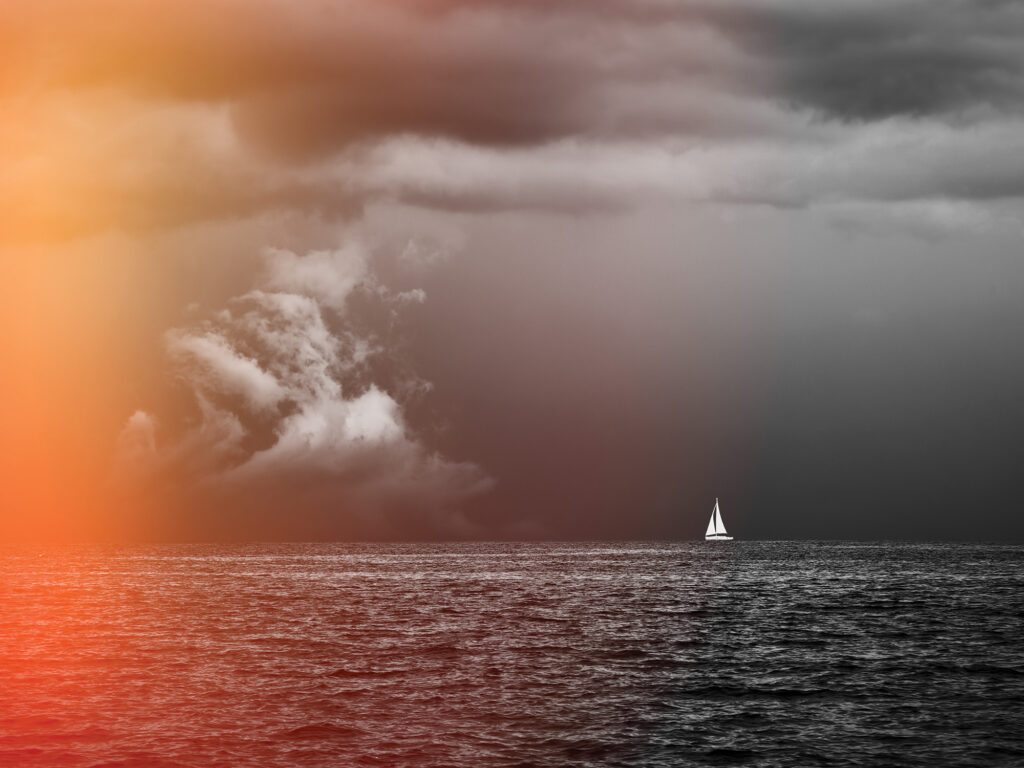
pixel 59 395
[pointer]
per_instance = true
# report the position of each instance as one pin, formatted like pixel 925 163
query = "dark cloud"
pixel 308 122
pixel 306 81
pixel 868 60
pixel 296 87
pixel 855 59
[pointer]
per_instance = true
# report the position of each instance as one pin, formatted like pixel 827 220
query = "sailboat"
pixel 716 527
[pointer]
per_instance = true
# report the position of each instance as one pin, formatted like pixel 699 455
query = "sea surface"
pixel 476 655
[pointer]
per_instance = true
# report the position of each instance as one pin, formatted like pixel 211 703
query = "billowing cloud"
pixel 329 276
pixel 285 411
pixel 215 363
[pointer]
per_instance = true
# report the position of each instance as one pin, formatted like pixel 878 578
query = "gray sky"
pixel 455 269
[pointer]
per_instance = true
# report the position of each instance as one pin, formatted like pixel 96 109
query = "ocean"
pixel 476 655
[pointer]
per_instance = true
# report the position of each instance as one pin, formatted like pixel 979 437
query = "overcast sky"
pixel 407 269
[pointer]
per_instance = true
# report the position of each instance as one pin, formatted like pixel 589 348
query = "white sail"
pixel 711 525
pixel 719 523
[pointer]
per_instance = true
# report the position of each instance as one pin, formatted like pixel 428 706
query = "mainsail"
pixel 712 530
pixel 716 526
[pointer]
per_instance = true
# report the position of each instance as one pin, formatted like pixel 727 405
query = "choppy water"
pixel 782 654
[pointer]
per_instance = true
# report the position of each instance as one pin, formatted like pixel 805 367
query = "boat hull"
pixel 718 537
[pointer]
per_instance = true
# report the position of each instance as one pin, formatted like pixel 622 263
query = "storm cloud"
pixel 219 110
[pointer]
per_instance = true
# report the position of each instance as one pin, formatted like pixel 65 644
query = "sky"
pixel 470 269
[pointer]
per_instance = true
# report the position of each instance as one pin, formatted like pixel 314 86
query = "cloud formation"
pixel 142 117
pixel 286 415
pixel 521 72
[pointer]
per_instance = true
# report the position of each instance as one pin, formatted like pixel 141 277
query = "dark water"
pixel 782 654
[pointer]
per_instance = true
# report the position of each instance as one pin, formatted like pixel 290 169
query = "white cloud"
pixel 413 296
pixel 894 160
pixel 215 365
pixel 271 362
pixel 373 416
pixel 328 276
